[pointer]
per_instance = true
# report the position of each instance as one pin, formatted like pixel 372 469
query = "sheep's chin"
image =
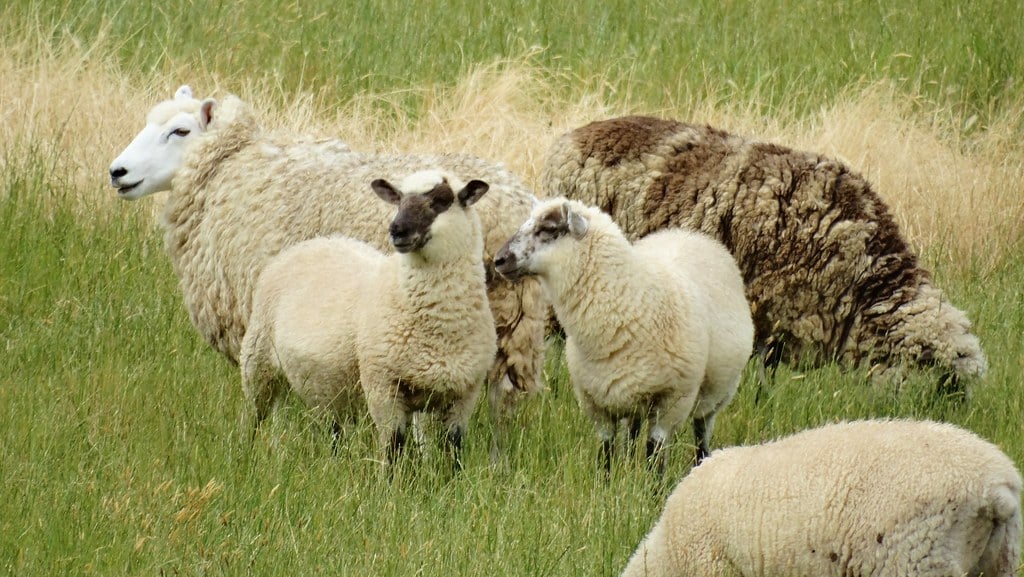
pixel 129 191
pixel 513 274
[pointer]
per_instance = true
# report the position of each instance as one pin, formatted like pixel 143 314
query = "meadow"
pixel 121 450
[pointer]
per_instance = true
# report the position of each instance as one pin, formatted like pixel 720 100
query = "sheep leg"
pixel 453 444
pixel 261 383
pixel 666 415
pixel 335 436
pixel 457 421
pixel 395 445
pixel 606 433
pixel 391 414
pixel 702 429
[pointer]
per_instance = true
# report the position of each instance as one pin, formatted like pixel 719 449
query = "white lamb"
pixel 868 498
pixel 659 329
pixel 239 195
pixel 414 329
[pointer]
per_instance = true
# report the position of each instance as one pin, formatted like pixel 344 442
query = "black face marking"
pixel 551 227
pixel 410 229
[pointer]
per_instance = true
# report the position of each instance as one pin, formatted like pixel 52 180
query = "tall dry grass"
pixel 954 196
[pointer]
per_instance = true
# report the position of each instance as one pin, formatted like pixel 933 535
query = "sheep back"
pixel 313 347
pixel 719 312
pixel 826 268
pixel 243 195
pixel 866 498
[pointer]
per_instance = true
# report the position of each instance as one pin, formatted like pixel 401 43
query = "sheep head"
pixel 155 155
pixel 550 224
pixel 424 200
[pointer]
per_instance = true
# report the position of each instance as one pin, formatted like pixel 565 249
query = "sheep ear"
pixel 578 224
pixel 206 112
pixel 386 192
pixel 184 92
pixel 472 192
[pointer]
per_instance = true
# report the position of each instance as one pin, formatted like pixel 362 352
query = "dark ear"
pixel 386 192
pixel 206 112
pixel 472 192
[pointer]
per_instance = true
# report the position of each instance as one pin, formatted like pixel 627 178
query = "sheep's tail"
pixel 1002 551
pixel 928 331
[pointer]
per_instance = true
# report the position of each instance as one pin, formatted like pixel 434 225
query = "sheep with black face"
pixel 411 331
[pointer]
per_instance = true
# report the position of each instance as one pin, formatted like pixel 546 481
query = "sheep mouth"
pixel 511 272
pixel 407 244
pixel 124 189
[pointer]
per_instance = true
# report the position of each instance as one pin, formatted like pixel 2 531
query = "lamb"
pixel 238 196
pixel 828 274
pixel 658 329
pixel 868 498
pixel 414 329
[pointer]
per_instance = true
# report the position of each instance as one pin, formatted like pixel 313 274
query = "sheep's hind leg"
pixel 606 434
pixel 666 415
pixel 702 429
pixel 453 444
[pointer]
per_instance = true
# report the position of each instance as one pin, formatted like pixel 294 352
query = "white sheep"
pixel 827 270
pixel 658 329
pixel 238 196
pixel 867 498
pixel 414 329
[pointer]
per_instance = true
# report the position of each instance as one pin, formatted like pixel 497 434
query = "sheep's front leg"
pixel 390 413
pixel 457 421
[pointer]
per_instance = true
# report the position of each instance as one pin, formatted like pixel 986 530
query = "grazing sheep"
pixel 868 498
pixel 413 329
pixel 660 328
pixel 238 196
pixel 828 274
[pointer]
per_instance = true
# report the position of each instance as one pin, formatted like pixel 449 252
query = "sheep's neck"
pixel 602 281
pixel 441 286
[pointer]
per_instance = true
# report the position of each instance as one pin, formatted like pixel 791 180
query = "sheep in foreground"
pixel 238 196
pixel 828 273
pixel 414 329
pixel 658 329
pixel 867 498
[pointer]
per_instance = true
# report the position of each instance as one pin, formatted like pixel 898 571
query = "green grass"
pixel 120 445
pixel 660 52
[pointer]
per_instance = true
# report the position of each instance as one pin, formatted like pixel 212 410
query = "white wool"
pixel 659 329
pixel 868 498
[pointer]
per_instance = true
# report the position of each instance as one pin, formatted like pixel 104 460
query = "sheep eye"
pixel 181 132
pixel 547 232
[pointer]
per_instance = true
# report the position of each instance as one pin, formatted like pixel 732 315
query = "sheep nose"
pixel 500 259
pixel 397 230
pixel 118 172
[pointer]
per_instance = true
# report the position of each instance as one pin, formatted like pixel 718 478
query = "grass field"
pixel 120 450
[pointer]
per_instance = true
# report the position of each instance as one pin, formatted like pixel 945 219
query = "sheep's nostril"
pixel 499 260
pixel 118 172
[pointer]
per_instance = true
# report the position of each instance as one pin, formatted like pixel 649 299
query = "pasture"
pixel 121 450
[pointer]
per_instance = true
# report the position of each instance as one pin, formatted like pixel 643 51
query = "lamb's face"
pixel 154 157
pixel 426 207
pixel 530 250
